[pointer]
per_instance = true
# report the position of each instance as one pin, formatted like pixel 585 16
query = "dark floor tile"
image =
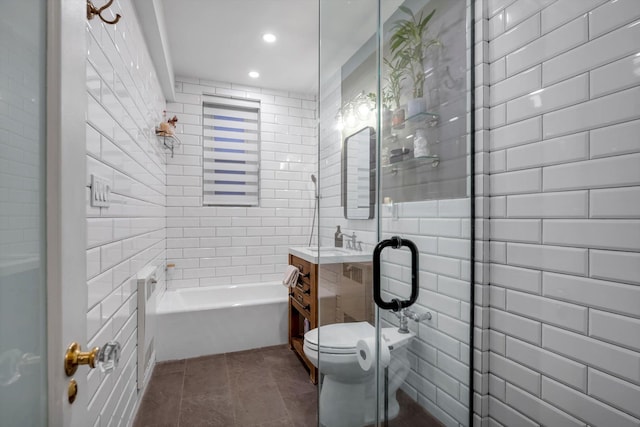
pixel 260 404
pixel 412 414
pixel 160 405
pixel 282 358
pixel 206 375
pixel 206 384
pixel 170 367
pixel 245 360
pixel 197 365
pixel 421 419
pixel 266 387
pixel 251 378
pixel 293 381
pixel 282 422
pixel 247 370
pixel 302 408
pixel 210 410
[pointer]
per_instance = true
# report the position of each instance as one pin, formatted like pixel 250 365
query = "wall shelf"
pixel 169 141
pixel 405 130
pixel 411 162
pixel 430 119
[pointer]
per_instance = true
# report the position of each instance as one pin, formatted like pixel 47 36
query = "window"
pixel 231 157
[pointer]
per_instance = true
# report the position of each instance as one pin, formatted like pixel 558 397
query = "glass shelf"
pixel 413 161
pixel 430 119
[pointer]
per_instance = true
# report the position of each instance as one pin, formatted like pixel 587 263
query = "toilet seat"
pixel 342 338
pixel 338 338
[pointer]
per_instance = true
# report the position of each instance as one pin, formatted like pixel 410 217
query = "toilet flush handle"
pixel 406 314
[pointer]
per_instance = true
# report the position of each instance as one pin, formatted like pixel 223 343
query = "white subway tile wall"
pixel 125 104
pixel 486 73
pixel 218 245
pixel 565 229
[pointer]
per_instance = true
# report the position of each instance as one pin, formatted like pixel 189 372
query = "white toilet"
pixel 347 392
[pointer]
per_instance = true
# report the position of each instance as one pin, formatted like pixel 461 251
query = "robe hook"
pixel 92 11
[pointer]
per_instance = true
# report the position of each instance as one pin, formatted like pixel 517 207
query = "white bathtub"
pixel 199 321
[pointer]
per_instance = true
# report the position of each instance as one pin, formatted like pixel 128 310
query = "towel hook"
pixel 92 11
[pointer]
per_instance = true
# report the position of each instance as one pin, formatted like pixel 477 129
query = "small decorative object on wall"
pixel 408 46
pixel 92 11
pixel 166 131
pixel 420 144
pixel 167 127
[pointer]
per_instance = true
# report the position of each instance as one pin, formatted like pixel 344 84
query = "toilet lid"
pixel 338 337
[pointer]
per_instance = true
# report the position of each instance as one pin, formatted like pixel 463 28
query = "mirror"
pixel 358 174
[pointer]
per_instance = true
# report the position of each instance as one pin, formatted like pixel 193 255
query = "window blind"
pixel 231 160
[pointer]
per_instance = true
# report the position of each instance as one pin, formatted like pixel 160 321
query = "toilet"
pixel 347 392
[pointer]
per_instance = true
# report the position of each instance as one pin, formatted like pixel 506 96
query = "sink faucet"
pixel 352 242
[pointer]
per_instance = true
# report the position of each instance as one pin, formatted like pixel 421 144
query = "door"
pixel 23 336
pixel 401 76
pixel 424 279
pixel 42 233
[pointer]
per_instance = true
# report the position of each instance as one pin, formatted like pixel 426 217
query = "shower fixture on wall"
pixel 315 207
pixel 92 11
pixel 315 185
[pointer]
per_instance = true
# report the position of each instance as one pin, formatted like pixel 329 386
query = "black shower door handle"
pixel 395 304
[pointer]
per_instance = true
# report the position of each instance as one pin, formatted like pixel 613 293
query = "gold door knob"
pixel 75 356
pixel 106 357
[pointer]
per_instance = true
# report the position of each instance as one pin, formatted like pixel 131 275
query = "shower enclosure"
pixel 395 174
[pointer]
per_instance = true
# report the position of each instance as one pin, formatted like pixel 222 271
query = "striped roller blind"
pixel 230 151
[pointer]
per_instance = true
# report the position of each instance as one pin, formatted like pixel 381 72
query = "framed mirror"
pixel 359 174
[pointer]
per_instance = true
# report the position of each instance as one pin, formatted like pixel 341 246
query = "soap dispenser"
pixel 338 238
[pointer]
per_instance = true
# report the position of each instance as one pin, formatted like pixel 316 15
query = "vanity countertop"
pixel 329 254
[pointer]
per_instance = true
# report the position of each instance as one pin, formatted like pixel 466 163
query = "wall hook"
pixel 92 11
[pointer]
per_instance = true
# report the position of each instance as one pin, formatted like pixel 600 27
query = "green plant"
pixel 394 79
pixel 409 44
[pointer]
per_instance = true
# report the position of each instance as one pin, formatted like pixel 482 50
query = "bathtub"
pixel 200 321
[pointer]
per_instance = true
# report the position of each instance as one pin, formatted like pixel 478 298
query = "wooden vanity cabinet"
pixel 303 305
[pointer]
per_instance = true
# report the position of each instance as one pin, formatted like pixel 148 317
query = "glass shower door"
pixel 401 197
pixel 424 197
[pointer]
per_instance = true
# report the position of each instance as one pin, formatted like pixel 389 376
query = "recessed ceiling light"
pixel 269 38
pixel 254 74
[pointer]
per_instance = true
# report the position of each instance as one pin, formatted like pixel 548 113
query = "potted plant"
pixel 408 47
pixel 391 92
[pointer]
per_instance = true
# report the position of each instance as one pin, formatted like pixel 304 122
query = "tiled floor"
pixel 265 387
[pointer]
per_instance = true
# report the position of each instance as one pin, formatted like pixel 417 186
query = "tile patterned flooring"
pixel 266 387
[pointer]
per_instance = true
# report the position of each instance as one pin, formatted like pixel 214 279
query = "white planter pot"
pixel 416 106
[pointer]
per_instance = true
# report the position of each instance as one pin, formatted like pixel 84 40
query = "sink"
pixel 329 254
pixel 330 251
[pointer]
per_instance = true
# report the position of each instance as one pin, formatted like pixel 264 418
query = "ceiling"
pixel 222 39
